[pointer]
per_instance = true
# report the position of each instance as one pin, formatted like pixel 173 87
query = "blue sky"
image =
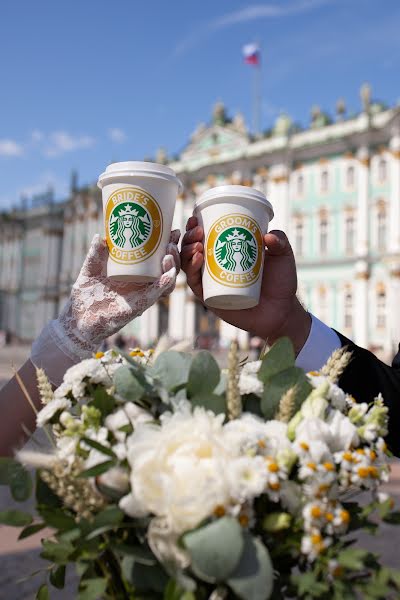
pixel 86 82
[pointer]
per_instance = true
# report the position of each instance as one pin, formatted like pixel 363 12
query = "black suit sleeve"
pixel 366 376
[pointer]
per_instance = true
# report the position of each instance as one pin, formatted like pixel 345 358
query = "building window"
pixel 381 228
pixel 381 308
pixel 324 181
pixel 348 310
pixel 323 234
pixel 299 237
pixel 350 177
pixel 323 305
pixel 382 170
pixel 300 185
pixel 350 230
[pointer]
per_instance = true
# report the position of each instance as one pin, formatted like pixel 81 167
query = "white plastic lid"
pixel 225 192
pixel 137 168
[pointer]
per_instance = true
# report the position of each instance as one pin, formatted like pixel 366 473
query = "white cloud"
pixel 60 142
pixel 250 13
pixel 117 135
pixel 10 148
pixel 37 136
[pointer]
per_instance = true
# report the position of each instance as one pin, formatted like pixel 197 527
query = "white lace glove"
pixel 97 308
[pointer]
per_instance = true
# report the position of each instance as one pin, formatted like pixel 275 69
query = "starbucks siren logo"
pixel 234 251
pixel 133 225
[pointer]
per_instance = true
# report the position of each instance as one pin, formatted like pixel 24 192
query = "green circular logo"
pixel 236 250
pixel 130 225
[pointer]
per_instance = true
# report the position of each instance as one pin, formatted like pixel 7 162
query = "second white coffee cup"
pixel 235 219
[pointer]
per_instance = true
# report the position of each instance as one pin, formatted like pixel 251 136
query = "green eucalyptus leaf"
pixel 204 374
pixel 126 384
pixel 280 357
pixel 210 402
pixel 92 589
pixel 171 368
pixel 277 385
pixel 43 593
pixel 98 469
pixel 102 400
pixel 6 465
pixel 57 577
pixel 15 518
pixel 31 530
pixel 174 591
pixel 253 578
pixel 143 577
pixel 215 549
pixel 13 474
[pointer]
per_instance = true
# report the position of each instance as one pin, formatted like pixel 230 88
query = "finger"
pixel 174 251
pixel 190 250
pixel 96 258
pixel 167 280
pixel 193 235
pixel 168 263
pixel 192 222
pixel 193 266
pixel 174 237
pixel 277 243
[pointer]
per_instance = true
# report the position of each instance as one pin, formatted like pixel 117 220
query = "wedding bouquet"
pixel 171 479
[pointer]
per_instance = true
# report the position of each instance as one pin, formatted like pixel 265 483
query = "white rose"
pixel 343 432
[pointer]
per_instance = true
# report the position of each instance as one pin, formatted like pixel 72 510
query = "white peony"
pixel 50 410
pixel 178 470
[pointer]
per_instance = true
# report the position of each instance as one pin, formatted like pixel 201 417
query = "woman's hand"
pixel 98 307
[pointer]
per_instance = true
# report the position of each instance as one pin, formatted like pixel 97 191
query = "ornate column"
pixel 279 196
pixel 362 246
pixel 393 306
pixel 361 303
pixel 394 200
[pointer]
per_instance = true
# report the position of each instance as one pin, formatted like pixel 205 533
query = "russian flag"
pixel 251 54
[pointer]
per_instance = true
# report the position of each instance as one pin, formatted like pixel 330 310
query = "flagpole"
pixel 257 98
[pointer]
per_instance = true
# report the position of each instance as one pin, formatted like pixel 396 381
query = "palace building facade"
pixel 335 189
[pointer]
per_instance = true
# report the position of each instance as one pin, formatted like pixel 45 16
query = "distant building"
pixel 335 189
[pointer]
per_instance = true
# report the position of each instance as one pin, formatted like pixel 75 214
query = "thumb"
pixel 277 243
pixel 96 258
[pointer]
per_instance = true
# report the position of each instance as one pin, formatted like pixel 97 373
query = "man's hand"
pixel 279 312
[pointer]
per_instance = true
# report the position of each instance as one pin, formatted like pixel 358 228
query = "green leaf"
pixel 278 384
pixel 210 402
pixel 57 552
pixel 352 558
pixel 99 447
pixel 44 495
pixel 174 591
pixel 280 357
pixel 98 469
pixel 57 518
pixel 393 518
pixel 309 586
pixel 395 577
pixel 215 549
pixel 139 553
pixel 12 473
pixel 15 518
pixel 57 577
pixel 43 593
pixel 276 521
pixel 92 589
pixel 112 515
pixel 172 369
pixel 253 578
pixel 31 530
pixel 102 400
pixel 204 374
pixel 144 578
pixel 127 386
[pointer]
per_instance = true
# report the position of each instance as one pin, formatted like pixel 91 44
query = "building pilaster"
pixel 394 200
pixel 278 190
pixel 361 302
pixel 362 202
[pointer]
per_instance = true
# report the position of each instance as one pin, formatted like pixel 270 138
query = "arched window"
pixel 299 236
pixel 324 181
pixel 348 309
pixel 381 307
pixel 323 232
pixel 350 232
pixel 382 170
pixel 300 185
pixel 350 177
pixel 381 226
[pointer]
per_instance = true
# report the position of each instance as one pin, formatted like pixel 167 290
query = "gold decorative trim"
pixel 348 154
pixel 396 154
pixel 363 276
pixel 280 179
pixel 323 160
pixel 365 161
pixel 263 171
pixel 380 288
pixel 395 273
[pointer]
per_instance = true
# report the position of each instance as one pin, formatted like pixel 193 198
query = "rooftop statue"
pixel 283 125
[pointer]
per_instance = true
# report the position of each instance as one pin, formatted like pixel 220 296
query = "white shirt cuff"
pixel 320 344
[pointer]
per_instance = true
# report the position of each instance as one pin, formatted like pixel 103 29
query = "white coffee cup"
pixel 138 206
pixel 235 219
